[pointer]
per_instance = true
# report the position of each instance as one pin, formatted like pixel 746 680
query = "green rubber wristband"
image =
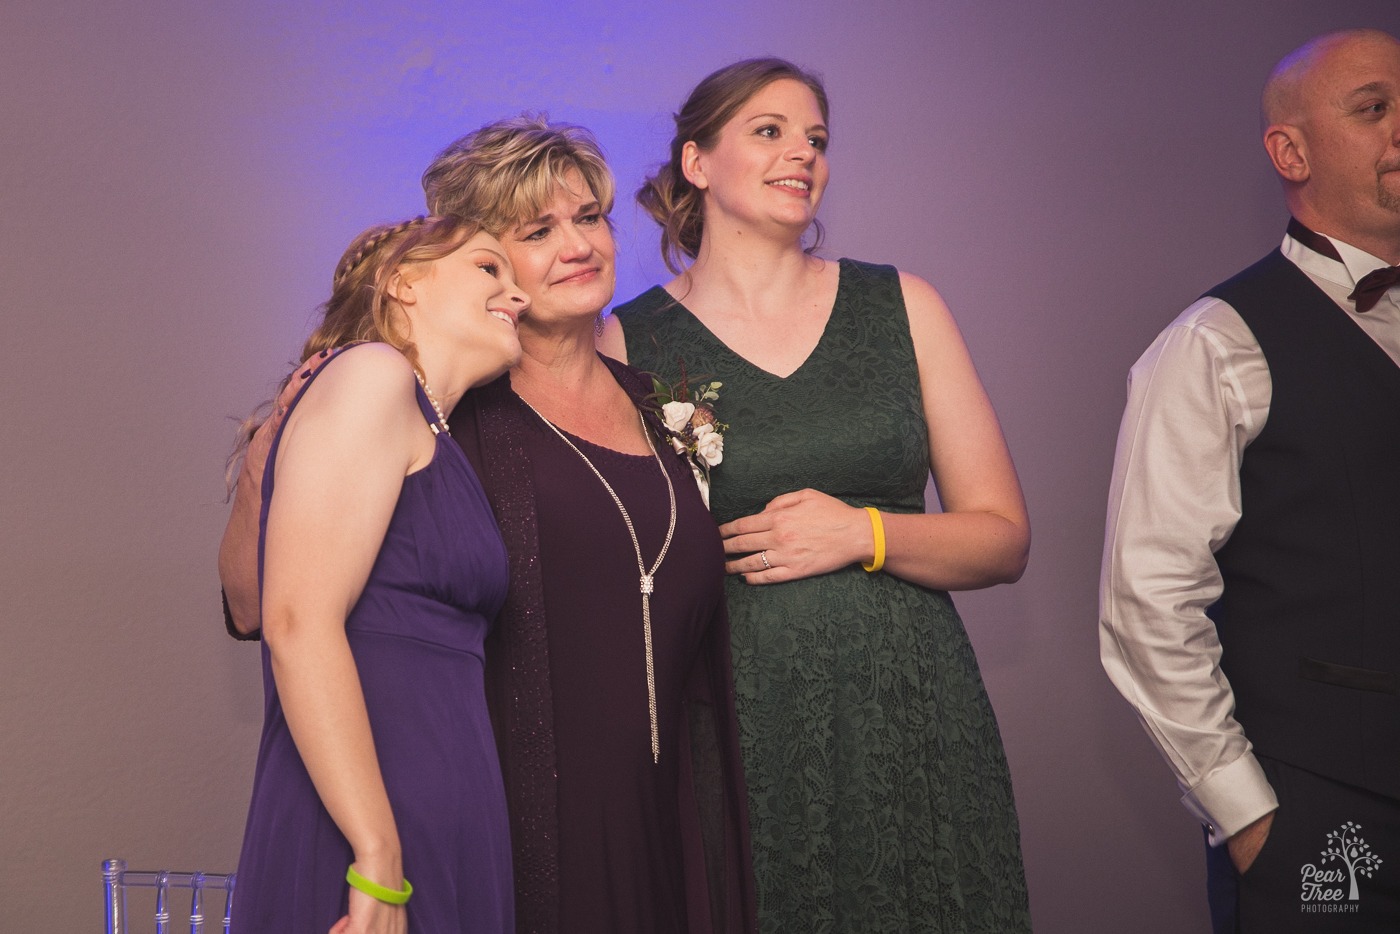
pixel 375 890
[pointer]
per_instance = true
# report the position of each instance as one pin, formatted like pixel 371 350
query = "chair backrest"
pixel 117 879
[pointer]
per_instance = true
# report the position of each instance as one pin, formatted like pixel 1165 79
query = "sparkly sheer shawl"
pixel 488 423
pixel 517 655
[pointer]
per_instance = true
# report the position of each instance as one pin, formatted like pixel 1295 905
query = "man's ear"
pixel 691 165
pixel 1288 151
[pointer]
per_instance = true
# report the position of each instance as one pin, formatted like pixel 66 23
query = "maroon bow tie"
pixel 1372 285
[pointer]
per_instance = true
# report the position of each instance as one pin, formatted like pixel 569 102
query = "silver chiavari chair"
pixel 117 879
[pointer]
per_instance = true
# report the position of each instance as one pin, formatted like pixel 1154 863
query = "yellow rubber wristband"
pixel 375 890
pixel 877 526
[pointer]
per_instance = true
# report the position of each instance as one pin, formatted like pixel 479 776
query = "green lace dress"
pixel 879 793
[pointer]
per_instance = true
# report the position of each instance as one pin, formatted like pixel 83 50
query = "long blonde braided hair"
pixel 361 307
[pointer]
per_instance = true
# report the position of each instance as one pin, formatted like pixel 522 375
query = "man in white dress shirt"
pixel 1250 592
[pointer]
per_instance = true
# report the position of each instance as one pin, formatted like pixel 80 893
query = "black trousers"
pixel 1331 863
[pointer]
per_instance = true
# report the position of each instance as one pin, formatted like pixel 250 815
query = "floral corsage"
pixel 695 432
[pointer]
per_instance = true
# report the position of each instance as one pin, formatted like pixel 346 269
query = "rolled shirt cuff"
pixel 1231 798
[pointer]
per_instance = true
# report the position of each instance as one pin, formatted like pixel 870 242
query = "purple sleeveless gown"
pixel 416 634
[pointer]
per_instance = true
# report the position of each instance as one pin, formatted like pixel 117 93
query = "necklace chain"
pixel 647 583
pixel 428 391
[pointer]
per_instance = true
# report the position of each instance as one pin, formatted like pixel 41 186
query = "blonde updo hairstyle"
pixel 362 306
pixel 670 199
pixel 506 172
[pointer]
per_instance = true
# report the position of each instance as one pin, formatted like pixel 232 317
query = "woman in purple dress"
pixel 381 571
pixel 607 673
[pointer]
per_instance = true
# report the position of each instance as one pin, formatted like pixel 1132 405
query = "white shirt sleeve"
pixel 1196 399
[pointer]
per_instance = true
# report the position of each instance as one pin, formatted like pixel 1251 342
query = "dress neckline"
pixel 842 268
pixel 622 457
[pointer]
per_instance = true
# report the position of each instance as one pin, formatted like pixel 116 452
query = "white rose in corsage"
pixel 709 445
pixel 696 432
pixel 677 415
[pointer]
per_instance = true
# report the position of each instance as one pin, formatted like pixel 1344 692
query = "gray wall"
pixel 179 179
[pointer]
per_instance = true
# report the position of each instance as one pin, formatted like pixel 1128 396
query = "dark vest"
pixel 1309 621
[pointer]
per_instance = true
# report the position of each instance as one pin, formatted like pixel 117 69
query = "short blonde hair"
pixel 506 172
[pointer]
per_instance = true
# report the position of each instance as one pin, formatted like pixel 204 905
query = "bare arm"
pixel 351 440
pixel 983 535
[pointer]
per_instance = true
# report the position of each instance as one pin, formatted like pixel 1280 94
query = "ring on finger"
pixel 763 556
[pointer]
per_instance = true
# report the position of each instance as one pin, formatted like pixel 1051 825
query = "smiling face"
pixel 468 302
pixel 768 167
pixel 564 258
pixel 1343 108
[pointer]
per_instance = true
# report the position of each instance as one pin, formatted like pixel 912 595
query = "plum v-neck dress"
pixel 416 633
pixel 879 795
pixel 608 840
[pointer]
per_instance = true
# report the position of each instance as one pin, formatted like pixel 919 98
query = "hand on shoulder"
pixel 364 396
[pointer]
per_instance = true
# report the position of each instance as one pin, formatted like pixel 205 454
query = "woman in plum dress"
pixel 879 793
pixel 381 570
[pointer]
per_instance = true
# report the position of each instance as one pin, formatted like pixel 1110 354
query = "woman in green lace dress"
pixel 879 793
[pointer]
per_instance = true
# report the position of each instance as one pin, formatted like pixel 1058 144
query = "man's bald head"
pixel 1285 93
pixel 1331 112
